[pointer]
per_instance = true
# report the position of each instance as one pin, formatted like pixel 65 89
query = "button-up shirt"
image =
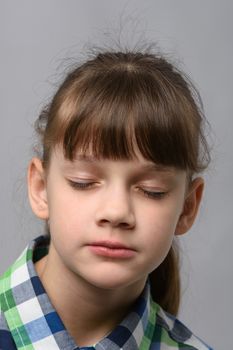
pixel 28 321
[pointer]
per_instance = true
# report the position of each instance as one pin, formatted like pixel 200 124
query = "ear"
pixel 191 206
pixel 37 191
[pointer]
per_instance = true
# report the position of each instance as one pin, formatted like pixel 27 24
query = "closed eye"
pixel 81 185
pixel 153 194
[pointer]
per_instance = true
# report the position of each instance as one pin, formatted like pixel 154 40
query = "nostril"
pixel 115 217
pixel 115 223
pixel 124 225
pixel 104 221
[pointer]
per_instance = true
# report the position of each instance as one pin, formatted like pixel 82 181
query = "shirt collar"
pixel 35 324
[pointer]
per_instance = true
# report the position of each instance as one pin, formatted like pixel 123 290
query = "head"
pixel 125 106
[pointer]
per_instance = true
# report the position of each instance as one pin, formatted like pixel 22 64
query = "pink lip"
pixel 111 249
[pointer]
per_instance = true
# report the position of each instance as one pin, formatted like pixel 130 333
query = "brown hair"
pixel 118 100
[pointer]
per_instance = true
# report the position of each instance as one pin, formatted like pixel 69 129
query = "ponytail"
pixel 165 282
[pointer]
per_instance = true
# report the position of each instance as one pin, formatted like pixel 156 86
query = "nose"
pixel 116 210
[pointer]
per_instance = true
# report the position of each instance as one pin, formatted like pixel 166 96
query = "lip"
pixel 111 249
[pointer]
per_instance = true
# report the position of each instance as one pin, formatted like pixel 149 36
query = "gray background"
pixel 36 36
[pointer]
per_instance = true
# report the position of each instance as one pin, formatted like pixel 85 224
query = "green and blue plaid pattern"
pixel 28 320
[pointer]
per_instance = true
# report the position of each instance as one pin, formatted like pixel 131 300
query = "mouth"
pixel 111 249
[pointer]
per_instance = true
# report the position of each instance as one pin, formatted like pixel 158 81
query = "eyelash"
pixel 87 185
pixel 81 185
pixel 153 195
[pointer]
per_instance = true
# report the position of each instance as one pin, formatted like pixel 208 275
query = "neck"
pixel 88 312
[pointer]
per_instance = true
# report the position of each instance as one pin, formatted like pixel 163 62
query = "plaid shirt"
pixel 28 320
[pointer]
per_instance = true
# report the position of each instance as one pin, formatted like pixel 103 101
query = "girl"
pixel 122 144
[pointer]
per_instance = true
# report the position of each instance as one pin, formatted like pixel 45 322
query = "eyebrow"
pixel 149 167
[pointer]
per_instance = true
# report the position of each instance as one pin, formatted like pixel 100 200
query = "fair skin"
pixel 93 206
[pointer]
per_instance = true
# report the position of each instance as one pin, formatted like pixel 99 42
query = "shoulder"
pixel 14 290
pixel 174 334
pixel 7 302
pixel 6 339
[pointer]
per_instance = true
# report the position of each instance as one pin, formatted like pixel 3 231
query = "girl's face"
pixel 111 222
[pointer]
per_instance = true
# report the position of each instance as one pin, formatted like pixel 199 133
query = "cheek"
pixel 67 216
pixel 159 237
pixel 162 217
pixel 158 229
pixel 157 246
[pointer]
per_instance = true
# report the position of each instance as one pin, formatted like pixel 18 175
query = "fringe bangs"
pixel 121 113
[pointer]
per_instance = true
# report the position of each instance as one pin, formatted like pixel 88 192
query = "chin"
pixel 114 282
pixel 111 277
pixel 111 284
